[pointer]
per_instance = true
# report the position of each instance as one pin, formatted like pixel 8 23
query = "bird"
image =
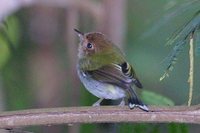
pixel 104 71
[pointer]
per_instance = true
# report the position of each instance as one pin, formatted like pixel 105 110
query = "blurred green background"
pixel 38 50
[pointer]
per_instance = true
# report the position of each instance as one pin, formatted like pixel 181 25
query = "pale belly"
pixel 101 90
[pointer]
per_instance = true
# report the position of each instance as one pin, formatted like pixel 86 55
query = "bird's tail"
pixel 134 101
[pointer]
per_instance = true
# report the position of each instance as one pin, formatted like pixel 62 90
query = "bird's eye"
pixel 89 46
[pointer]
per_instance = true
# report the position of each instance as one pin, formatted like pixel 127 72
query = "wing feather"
pixel 121 75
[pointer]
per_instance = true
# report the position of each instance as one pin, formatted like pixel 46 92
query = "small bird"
pixel 104 72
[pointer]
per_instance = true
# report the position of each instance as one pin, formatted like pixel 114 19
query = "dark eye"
pixel 89 45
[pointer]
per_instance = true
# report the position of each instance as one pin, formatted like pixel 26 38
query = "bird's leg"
pixel 98 102
pixel 122 103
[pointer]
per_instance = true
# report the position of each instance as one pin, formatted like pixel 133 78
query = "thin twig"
pixel 105 114
pixel 191 71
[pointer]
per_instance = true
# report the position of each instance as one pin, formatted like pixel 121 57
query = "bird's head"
pixel 95 50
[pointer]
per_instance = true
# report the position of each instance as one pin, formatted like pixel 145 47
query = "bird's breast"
pixel 99 89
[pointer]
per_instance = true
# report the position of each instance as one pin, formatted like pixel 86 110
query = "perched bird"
pixel 104 72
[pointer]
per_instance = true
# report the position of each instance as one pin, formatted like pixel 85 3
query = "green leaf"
pixel 186 29
pixel 155 99
pixel 12 29
pixel 179 39
pixel 177 11
pixel 177 128
pixel 4 52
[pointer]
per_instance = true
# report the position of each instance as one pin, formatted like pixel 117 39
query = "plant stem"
pixel 191 71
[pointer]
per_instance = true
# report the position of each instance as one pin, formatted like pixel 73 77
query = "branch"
pixel 53 116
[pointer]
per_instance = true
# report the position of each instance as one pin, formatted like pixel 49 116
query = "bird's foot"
pixel 122 103
pixel 97 104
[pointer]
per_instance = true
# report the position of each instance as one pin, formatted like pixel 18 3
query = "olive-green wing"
pixel 121 75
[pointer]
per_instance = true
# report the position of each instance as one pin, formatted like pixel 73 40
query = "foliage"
pixel 9 36
pixel 4 52
pixel 152 98
pixel 180 39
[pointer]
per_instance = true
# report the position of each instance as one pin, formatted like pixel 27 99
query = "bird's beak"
pixel 79 33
